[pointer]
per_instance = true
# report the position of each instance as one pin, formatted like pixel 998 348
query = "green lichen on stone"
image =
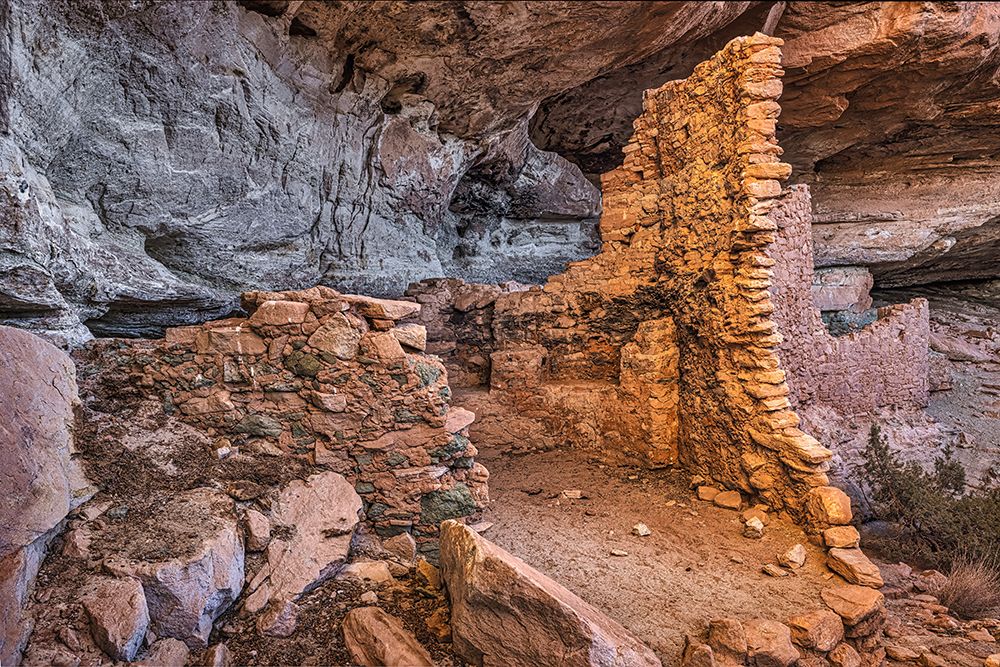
pixel 328 357
pixel 202 382
pixel 303 363
pixel 177 359
pixel 464 462
pixel 396 459
pixel 452 503
pixel 389 531
pixel 364 487
pixel 376 509
pixel 405 416
pixel 455 446
pixel 261 425
pixel 264 368
pixel 295 385
pixel 428 374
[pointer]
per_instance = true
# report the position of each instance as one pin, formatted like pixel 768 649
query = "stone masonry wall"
pixel 459 321
pixel 685 234
pixel 335 379
pixel 882 365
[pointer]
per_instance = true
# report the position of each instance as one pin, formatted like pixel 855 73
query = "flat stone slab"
pixel 505 613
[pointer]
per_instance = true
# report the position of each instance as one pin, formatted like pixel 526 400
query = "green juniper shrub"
pixel 938 522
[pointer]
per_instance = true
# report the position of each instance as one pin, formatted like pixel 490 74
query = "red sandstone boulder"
pixel 821 630
pixel 278 313
pixel 316 519
pixel 841 537
pixel 769 644
pixel 854 565
pixel 118 615
pixel 337 336
pixel 374 638
pixel 854 604
pixel 202 573
pixel 728 640
pixel 383 309
pixel 830 506
pixel 411 335
pixel 39 482
pixel 504 613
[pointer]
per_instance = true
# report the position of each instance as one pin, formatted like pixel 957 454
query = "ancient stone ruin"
pixel 643 456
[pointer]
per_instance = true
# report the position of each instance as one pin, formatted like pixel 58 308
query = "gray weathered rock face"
pixel 156 158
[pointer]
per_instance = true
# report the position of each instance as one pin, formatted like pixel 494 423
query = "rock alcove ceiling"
pixel 161 157
pixel 325 418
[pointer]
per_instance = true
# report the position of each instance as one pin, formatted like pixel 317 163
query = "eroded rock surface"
pixel 168 155
pixel 374 638
pixel 202 573
pixel 315 519
pixel 40 482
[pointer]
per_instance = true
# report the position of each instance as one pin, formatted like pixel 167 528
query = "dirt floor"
pixel 695 566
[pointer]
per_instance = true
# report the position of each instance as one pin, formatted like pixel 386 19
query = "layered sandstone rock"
pixel 214 148
pixel 888 109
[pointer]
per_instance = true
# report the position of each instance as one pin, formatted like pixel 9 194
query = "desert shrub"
pixel 938 520
pixel 973 588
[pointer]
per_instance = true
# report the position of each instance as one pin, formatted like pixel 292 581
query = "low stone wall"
pixel 336 379
pixel 885 364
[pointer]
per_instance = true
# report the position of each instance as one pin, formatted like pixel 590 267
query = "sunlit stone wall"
pixel 685 234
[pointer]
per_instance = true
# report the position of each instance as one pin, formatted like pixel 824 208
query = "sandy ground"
pixel 695 566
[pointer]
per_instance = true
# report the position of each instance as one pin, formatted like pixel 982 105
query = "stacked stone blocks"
pixel 885 364
pixel 685 234
pixel 336 379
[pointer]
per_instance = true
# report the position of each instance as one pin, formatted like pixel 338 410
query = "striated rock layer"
pixel 158 158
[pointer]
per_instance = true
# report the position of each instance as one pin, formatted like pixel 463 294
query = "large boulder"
pixel 118 615
pixel 195 569
pixel 40 482
pixel 312 523
pixel 376 639
pixel 505 613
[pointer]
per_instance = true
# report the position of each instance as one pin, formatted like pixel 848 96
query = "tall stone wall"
pixel 882 365
pixel 338 380
pixel 686 232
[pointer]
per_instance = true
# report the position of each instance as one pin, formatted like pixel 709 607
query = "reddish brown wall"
pixel 685 234
pixel 884 364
